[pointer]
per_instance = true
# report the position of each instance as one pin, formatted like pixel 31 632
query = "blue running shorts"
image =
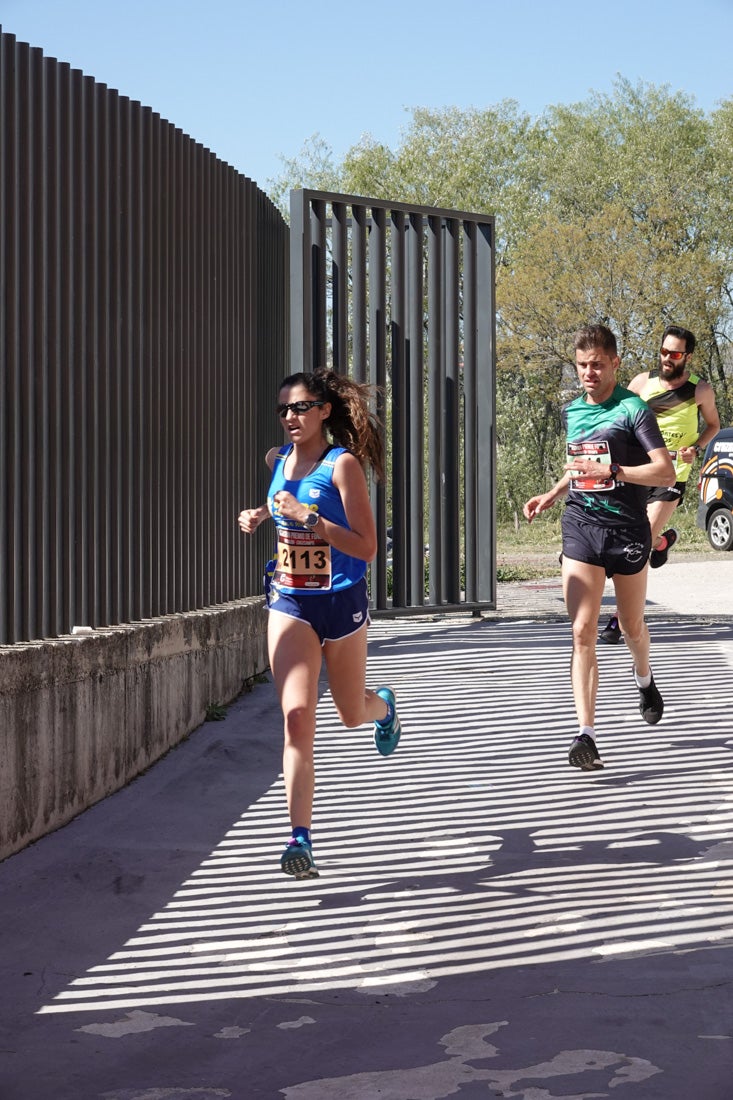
pixel 333 615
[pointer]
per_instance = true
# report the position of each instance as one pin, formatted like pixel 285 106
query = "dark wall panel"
pixel 143 330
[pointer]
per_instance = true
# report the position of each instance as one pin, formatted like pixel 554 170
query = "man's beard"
pixel 672 372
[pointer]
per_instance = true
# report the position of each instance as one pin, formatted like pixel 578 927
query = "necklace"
pixel 311 468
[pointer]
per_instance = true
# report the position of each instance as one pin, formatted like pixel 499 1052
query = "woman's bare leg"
pixel 295 660
pixel 346 662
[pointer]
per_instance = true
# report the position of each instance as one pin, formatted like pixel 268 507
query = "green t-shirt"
pixel 622 429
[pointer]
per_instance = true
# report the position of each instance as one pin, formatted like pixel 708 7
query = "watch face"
pixel 312 519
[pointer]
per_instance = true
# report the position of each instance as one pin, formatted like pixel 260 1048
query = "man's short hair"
pixel 681 334
pixel 595 336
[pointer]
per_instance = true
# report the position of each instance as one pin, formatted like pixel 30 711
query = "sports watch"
pixel 614 466
pixel 311 519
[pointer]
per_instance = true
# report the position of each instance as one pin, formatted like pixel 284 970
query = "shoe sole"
pixel 299 867
pixel 609 639
pixel 580 756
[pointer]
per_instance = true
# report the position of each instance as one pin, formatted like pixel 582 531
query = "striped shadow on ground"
pixel 475 847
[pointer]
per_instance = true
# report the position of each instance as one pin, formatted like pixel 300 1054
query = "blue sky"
pixel 253 81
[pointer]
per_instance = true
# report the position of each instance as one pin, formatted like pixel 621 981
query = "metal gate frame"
pixel 402 297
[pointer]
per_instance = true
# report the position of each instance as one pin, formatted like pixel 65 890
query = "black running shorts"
pixel 668 492
pixel 621 550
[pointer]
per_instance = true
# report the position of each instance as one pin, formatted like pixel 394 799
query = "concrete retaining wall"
pixel 82 715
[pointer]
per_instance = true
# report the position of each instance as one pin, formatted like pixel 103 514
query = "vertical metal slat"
pixel 415 412
pixel 339 289
pixel 451 410
pixel 435 404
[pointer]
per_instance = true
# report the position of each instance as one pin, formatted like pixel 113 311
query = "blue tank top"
pixel 305 564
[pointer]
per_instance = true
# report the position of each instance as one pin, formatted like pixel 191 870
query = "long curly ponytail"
pixel 352 423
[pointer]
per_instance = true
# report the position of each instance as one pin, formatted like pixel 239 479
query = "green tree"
pixel 313 168
pixel 617 209
pixel 477 160
pixel 636 233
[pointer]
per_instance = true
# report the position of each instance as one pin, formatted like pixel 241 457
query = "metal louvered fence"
pixel 145 322
pixel 403 297
pixel 143 329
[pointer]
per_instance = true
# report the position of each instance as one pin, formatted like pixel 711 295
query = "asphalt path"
pixel 488 921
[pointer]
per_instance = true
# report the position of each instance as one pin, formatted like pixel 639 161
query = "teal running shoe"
pixel 297 859
pixel 387 735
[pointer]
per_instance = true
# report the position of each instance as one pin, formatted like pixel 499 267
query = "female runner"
pixel 317 593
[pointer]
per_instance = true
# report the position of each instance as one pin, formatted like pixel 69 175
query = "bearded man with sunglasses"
pixel 683 403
